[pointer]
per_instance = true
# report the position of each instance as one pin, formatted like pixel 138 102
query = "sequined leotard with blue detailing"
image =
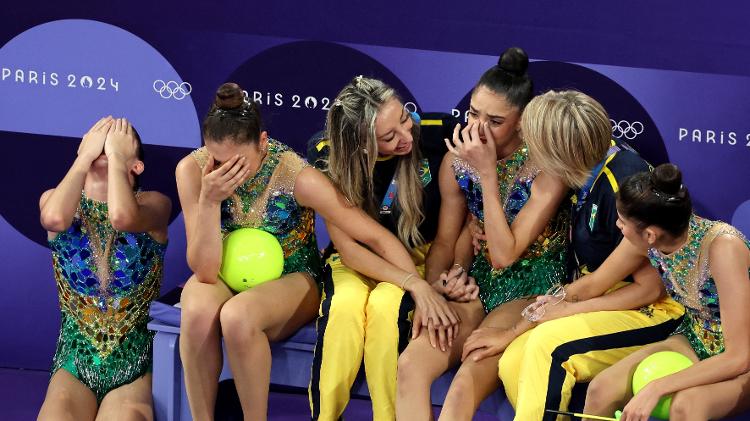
pixel 687 276
pixel 544 262
pixel 103 339
pixel 266 201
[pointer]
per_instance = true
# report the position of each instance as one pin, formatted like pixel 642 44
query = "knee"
pixel 241 321
pixel 409 369
pixel 601 393
pixel 461 388
pixel 384 302
pixel 197 317
pixel 135 411
pixel 348 302
pixel 58 407
pixel 686 405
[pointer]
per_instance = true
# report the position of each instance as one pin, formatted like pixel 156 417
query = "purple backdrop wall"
pixel 677 86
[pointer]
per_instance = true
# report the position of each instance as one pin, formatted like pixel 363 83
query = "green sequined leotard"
pixel 266 201
pixel 543 263
pixel 687 276
pixel 103 339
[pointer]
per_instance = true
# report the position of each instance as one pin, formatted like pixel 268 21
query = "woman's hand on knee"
pixel 486 342
pixel 431 307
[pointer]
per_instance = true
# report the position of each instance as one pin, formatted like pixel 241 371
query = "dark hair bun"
pixel 514 61
pixel 667 178
pixel 229 96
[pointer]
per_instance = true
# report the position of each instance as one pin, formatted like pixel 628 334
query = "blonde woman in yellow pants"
pixel 373 152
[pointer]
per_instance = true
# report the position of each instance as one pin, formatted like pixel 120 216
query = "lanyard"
pixel 583 193
pixel 386 205
pixel 390 196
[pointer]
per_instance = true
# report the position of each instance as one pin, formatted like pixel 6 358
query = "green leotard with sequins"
pixel 266 201
pixel 103 339
pixel 544 262
pixel 687 276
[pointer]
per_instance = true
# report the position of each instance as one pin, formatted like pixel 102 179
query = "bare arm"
pixel 313 189
pixel 645 289
pixel 506 243
pixel 624 260
pixel 364 261
pixel 201 194
pixel 57 206
pixel 463 251
pixel 452 215
pixel 147 213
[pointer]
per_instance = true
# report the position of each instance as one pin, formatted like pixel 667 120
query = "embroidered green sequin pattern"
pixel 687 278
pixel 103 339
pixel 544 262
pixel 266 201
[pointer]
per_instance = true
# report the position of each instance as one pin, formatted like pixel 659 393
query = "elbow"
pixel 121 221
pixel 503 255
pixel 205 273
pixel 651 295
pixel 741 364
pixel 735 361
pixel 345 259
pixel 501 261
pixel 54 222
pixel 655 295
pixel 206 277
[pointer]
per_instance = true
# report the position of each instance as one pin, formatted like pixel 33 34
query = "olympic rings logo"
pixel 624 128
pixel 172 89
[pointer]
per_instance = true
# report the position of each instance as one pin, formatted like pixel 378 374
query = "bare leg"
pixel 200 343
pixel 420 364
pixel 477 380
pixel 611 389
pixel 130 402
pixel 250 320
pixel 67 399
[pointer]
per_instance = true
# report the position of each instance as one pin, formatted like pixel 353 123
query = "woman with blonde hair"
pixel 609 310
pixel 375 153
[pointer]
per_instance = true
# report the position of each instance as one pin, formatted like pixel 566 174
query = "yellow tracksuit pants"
pixel 359 319
pixel 540 367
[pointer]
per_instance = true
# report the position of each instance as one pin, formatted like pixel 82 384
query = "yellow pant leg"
pixel 548 360
pixel 340 344
pixel 386 335
pixel 509 366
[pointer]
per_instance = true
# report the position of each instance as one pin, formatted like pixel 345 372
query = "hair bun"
pixel 229 96
pixel 667 178
pixel 515 61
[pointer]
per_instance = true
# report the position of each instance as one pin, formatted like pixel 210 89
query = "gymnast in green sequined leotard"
pixel 543 263
pixel 489 176
pixel 242 178
pixel 103 340
pixel 108 248
pixel 705 266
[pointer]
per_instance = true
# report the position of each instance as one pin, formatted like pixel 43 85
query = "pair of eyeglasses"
pixel 535 311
